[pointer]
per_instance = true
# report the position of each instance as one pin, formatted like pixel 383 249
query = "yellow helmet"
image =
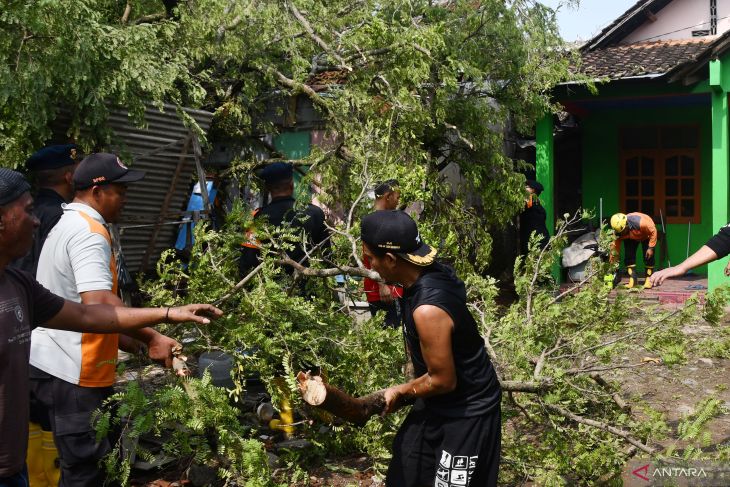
pixel 618 222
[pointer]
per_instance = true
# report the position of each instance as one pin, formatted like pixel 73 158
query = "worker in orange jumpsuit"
pixel 633 228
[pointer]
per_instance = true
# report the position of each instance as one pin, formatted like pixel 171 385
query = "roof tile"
pixel 642 58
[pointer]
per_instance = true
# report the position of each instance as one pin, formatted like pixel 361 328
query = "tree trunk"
pixel 358 410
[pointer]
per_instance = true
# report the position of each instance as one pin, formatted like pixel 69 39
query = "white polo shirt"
pixel 77 258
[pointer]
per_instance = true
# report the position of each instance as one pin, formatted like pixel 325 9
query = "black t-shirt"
pixel 24 304
pixel 720 242
pixel 48 209
pixel 281 212
pixel 477 389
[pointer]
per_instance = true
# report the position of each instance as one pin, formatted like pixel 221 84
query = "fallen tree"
pixel 412 90
pixel 316 392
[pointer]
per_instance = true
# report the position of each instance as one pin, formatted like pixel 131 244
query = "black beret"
pixel 537 187
pixel 52 157
pixel 278 171
pixel 12 185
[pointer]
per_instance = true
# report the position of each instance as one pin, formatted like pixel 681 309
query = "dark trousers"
pixel 70 409
pixel 38 412
pixel 392 312
pixel 630 247
pixel 20 479
pixel 432 450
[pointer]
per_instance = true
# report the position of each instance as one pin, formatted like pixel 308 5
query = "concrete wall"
pixel 601 170
pixel 682 16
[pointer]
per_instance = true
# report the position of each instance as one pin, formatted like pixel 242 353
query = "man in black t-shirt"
pixel 25 304
pixel 452 434
pixel 716 248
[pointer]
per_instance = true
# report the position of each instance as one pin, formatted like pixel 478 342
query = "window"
pixel 660 172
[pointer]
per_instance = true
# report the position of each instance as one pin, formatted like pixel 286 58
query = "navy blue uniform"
pixel 279 213
pixel 47 204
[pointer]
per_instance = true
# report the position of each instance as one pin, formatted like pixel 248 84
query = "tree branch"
pixel 614 395
pixel 127 11
pixel 334 271
pixel 223 28
pixel 150 18
pixel 296 86
pixel 602 426
pixel 240 284
pixel 518 386
pixel 318 40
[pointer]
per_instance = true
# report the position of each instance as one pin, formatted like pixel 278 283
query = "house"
pixel 654 138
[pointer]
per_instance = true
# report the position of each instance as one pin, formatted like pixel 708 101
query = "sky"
pixel 589 18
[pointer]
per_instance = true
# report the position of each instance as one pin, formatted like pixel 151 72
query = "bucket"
pixel 219 365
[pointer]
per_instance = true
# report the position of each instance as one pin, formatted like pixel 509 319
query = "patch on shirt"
pixel 21 331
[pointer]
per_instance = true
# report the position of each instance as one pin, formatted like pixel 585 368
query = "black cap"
pixel 278 171
pixel 52 157
pixel 12 185
pixel 384 187
pixel 104 168
pixel 537 187
pixel 395 231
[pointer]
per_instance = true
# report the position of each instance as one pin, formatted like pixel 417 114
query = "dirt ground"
pixel 676 390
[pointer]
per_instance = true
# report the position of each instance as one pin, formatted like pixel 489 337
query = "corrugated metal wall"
pixel 164 149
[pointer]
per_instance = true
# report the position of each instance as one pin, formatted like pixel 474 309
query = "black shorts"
pixel 432 450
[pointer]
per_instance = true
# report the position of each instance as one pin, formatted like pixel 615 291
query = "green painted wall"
pixel 296 145
pixel 720 84
pixel 601 168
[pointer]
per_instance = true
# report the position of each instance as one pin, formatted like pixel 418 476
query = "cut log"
pixel 358 410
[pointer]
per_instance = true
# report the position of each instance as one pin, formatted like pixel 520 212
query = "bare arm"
pixel 159 346
pixel 702 256
pixel 105 318
pixel 108 297
pixel 435 327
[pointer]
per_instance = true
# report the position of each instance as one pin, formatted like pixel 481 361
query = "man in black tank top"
pixel 452 435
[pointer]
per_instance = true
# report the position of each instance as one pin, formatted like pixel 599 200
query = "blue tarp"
pixel 195 204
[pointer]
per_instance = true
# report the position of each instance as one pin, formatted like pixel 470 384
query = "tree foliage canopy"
pixel 421 84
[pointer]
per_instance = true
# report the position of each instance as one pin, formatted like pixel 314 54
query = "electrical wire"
pixel 680 30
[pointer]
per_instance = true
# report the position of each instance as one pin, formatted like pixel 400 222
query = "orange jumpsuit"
pixel 641 229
